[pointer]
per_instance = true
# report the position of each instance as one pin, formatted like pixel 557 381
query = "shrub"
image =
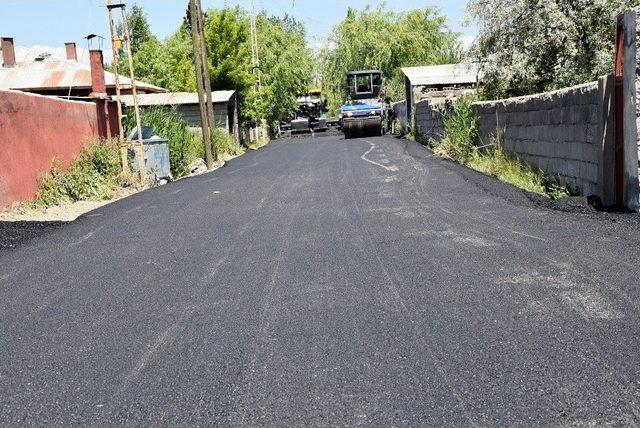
pixel 92 175
pixel 460 144
pixel 224 142
pixel 461 132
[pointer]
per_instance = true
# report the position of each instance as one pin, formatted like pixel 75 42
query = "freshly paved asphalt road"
pixel 325 282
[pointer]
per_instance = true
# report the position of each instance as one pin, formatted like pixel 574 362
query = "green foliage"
pixel 286 67
pixel 184 145
pixel 460 144
pixel 530 46
pixel 286 62
pixel 228 49
pixel 385 40
pixel 139 28
pixel 225 143
pixel 93 175
pixel 497 163
pixel 461 132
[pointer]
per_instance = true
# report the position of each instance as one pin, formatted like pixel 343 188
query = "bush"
pixel 225 143
pixel 461 132
pixel 460 144
pixel 93 175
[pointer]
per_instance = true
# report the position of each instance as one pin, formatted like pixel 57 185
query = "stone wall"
pixel 557 132
pixel 631 106
pixel 428 118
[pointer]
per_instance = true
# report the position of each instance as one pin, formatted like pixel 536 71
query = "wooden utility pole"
pixel 207 78
pixel 198 41
pixel 115 41
pixel 139 145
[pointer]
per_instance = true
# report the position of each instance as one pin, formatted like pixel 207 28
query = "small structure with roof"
pixel 440 81
pixel 186 103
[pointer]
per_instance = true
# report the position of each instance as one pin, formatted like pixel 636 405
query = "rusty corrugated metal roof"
pixel 54 73
pixel 176 98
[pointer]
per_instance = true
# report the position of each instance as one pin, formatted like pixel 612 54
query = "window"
pixel 363 84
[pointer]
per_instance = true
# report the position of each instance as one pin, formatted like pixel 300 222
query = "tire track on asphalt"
pixel 391 283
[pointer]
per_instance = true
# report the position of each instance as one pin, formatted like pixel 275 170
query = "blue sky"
pixel 53 22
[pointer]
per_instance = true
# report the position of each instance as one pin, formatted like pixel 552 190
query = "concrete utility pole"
pixel 197 37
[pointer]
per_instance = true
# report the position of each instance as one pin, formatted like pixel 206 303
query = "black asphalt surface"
pixel 325 282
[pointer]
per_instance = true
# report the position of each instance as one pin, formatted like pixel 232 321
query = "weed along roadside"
pixel 95 178
pixel 461 143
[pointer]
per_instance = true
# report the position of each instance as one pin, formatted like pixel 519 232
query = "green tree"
pixel 286 70
pixel 139 28
pixel 529 46
pixel 385 40
pixel 286 67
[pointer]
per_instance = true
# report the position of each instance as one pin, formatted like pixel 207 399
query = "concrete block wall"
pixel 428 118
pixel 558 132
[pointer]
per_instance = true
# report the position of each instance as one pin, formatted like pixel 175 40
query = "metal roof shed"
pixel 224 105
pixel 439 78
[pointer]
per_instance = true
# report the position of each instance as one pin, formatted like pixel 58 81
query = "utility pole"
pixel 255 52
pixel 198 51
pixel 138 145
pixel 207 78
pixel 115 40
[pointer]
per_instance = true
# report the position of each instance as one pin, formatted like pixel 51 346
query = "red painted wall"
pixel 34 130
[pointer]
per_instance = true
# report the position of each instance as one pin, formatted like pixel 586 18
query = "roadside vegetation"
pixel 94 175
pixel 461 143
pixel 286 62
pixel 185 144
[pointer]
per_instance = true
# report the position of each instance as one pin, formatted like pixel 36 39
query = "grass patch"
pixel 225 143
pixel 93 175
pixel 461 144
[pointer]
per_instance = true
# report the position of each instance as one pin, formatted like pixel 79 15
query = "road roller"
pixel 363 112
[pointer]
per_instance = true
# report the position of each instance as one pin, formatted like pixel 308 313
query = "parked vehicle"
pixel 364 111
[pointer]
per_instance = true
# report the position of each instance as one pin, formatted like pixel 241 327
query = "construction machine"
pixel 311 115
pixel 364 111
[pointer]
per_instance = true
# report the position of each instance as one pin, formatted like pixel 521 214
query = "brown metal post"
pixel 197 53
pixel 206 77
pixel 139 145
pixel 619 114
pixel 115 41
